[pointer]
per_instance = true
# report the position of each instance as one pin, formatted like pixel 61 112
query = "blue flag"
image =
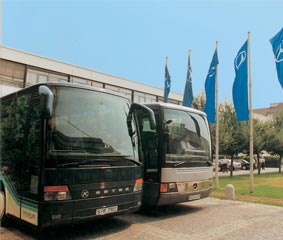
pixel 167 84
pixel 240 86
pixel 277 46
pixel 188 92
pixel 209 108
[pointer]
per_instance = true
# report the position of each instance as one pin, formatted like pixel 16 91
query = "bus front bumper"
pixel 73 211
pixel 177 197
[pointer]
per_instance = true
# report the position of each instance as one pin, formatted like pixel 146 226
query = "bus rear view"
pixel 177 166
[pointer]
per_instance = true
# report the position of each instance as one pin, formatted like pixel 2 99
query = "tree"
pixel 233 136
pixel 260 139
pixel 275 137
pixel 199 102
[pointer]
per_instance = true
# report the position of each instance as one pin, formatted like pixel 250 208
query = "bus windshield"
pixel 188 139
pixel 90 124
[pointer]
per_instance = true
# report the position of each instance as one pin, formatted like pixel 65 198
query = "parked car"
pixel 245 165
pixel 227 163
pixel 219 165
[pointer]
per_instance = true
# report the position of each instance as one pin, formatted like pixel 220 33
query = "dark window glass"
pixel 34 128
pixel 188 141
pixel 7 141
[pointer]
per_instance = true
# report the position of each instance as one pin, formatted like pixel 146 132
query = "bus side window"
pixel 33 129
pixel 20 130
pixel 27 139
pixel 7 135
pixel 31 166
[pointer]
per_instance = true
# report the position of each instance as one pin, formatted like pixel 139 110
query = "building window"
pixel 126 92
pixel 42 78
pixel 150 98
pixel 36 76
pixel 97 84
pixel 57 78
pixel 139 97
pixel 173 101
pixel 113 88
pixel 142 97
pixel 12 74
pixel 80 80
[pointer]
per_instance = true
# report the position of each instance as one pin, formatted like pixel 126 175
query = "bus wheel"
pixel 3 218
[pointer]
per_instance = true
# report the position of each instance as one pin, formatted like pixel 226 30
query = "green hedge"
pixel 272 161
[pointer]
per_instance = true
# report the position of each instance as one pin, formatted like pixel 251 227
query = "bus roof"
pixel 174 106
pixel 72 85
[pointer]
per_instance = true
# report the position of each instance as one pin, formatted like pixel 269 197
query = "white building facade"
pixel 20 69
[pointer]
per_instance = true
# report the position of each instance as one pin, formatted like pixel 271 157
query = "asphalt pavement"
pixel 206 219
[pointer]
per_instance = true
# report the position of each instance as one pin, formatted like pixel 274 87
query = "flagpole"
pixel 216 126
pixel 251 120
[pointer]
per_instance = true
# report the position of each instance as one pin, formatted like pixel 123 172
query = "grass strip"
pixel 268 188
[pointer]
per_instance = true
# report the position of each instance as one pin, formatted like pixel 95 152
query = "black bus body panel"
pixel 150 193
pixel 106 187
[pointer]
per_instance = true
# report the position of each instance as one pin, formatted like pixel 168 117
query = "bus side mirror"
pixel 46 101
pixel 145 109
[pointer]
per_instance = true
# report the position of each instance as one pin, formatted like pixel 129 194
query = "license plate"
pixel 107 210
pixel 194 197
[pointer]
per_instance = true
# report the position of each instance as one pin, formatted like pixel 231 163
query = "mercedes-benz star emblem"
pixel 84 194
pixel 195 186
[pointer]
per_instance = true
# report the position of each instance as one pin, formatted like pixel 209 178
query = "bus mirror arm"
pixel 137 106
pixel 46 101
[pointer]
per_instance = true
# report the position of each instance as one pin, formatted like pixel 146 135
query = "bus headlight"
pixel 56 193
pixel 138 185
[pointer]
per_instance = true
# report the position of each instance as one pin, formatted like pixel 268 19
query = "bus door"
pixel 151 163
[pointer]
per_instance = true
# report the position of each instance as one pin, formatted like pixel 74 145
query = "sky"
pixel 131 39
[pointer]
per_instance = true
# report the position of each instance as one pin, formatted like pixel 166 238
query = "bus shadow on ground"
pixel 101 228
pixel 88 230
pixel 161 212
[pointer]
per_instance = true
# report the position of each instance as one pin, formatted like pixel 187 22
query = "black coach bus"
pixel 68 153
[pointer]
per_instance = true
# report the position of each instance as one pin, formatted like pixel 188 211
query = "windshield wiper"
pixel 99 162
pixel 66 151
pixel 178 164
pixel 134 161
pixel 84 164
pixel 126 157
pixel 69 164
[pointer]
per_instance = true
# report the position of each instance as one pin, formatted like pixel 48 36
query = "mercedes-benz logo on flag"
pixel 279 53
pixel 84 194
pixel 241 58
pixel 212 72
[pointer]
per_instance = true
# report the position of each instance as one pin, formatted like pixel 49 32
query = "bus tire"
pixel 3 217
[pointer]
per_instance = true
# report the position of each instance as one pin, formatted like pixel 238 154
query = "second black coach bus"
pixel 177 155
